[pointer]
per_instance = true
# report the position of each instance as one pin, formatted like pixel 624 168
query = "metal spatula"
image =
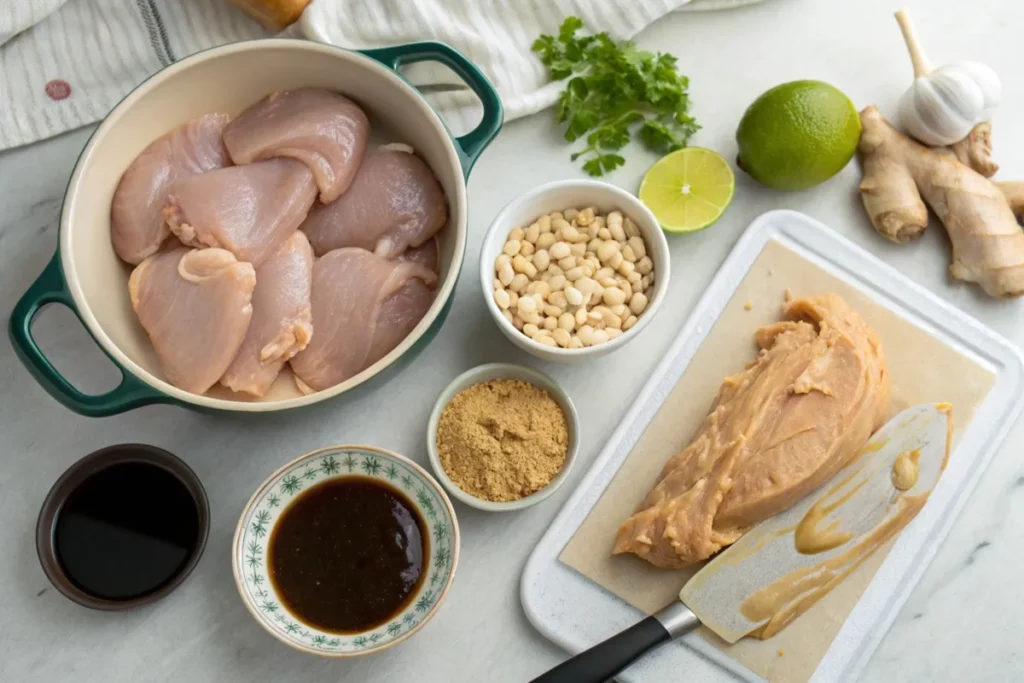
pixel 788 562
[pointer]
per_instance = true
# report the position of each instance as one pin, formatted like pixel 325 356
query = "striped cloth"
pixel 66 63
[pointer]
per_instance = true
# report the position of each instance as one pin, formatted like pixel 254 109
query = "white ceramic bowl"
pixel 556 196
pixel 87 276
pixel 484 373
pixel 250 564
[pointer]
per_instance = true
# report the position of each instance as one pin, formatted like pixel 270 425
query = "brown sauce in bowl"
pixel 348 554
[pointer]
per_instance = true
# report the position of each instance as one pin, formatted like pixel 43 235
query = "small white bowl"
pixel 484 373
pixel 557 196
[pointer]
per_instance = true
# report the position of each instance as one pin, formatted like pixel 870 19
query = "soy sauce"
pixel 126 531
pixel 348 554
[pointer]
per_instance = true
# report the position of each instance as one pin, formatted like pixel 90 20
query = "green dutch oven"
pixel 86 276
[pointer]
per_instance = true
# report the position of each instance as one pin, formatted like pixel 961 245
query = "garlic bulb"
pixel 944 104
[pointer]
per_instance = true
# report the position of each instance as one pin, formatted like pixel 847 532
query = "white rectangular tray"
pixel 576 613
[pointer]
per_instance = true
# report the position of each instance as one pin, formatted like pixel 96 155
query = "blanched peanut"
pixel 603 273
pixel 500 262
pixel 574 274
pixel 551 310
pixel 613 332
pixel 573 296
pixel 599 337
pixel 559 250
pixel 530 330
pixel 594 264
pixel 511 248
pixel 550 323
pixel 629 227
pixel 556 215
pixel 587 269
pixel 557 283
pixel 506 274
pixel 607 249
pixel 561 336
pixel 628 322
pixel 608 282
pixel 570 234
pixel 645 282
pixel 527 249
pixel 593 317
pixel 638 303
pixel 581 317
pixel 575 343
pixel 626 288
pixel 586 335
pixel 545 240
pixel 501 298
pixel 545 339
pixel 629 254
pixel 558 225
pixel 496 284
pixel 516 235
pixel 645 265
pixel 521 265
pixel 508 316
pixel 544 222
pixel 558 299
pixel 567 322
pixel 638 246
pixel 568 263
pixel 622 310
pixel 626 267
pixel 586 216
pixel 585 284
pixel 518 322
pixel 618 234
pixel 604 234
pixel 570 214
pixel 527 305
pixel 578 250
pixel 531 318
pixel 593 245
pixel 513 299
pixel 614 296
pixel 616 259
pixel 634 278
pixel 593 229
pixel 542 289
pixel 532 233
pixel 554 270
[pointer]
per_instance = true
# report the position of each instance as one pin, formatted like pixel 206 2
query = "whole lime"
pixel 798 135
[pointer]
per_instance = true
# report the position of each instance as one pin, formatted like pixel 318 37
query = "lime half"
pixel 688 189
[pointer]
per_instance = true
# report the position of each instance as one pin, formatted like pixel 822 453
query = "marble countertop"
pixel 961 623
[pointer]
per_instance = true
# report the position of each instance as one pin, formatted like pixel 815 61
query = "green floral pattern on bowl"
pixel 249 558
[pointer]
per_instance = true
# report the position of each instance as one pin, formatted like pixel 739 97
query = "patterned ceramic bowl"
pixel 249 552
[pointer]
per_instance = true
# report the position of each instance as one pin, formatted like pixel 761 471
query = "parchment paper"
pixel 923 369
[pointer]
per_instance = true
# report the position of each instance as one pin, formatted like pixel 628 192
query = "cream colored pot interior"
pixel 228 80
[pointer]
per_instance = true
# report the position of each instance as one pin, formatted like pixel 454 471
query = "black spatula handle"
pixel 603 661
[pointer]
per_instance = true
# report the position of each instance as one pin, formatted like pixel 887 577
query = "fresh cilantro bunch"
pixel 615 91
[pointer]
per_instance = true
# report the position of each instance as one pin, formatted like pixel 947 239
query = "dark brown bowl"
pixel 73 478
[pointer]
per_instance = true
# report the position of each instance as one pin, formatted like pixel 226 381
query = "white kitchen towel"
pixel 66 63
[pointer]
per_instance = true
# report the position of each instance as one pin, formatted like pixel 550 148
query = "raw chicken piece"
pixel 136 223
pixel 248 210
pixel 196 306
pixel 322 129
pixel 395 202
pixel 426 255
pixel 363 307
pixel 282 320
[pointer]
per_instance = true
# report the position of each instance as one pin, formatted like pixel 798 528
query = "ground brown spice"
pixel 502 440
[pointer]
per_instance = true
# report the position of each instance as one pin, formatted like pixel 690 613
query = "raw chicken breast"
pixel 196 306
pixel 136 223
pixel 395 202
pixel 248 210
pixel 363 307
pixel 322 129
pixel 426 255
pixel 282 320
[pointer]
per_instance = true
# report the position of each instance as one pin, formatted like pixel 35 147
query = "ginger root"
pixel 975 150
pixel 900 175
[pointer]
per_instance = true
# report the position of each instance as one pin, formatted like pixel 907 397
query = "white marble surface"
pixel 962 622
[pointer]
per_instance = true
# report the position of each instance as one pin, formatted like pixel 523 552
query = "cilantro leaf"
pixel 613 92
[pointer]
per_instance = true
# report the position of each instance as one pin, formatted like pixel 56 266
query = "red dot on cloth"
pixel 58 89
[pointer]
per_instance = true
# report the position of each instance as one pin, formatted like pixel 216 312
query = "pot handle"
pixel 50 288
pixel 473 143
